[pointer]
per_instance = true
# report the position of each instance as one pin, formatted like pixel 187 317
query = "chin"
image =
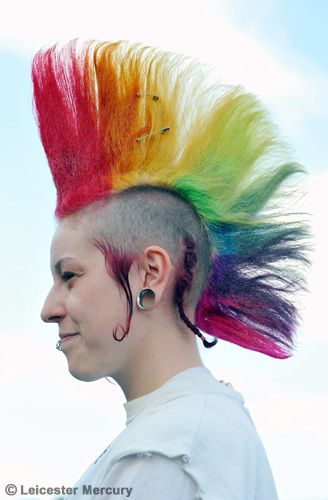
pixel 84 376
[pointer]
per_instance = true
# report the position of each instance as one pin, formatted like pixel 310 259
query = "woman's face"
pixel 85 301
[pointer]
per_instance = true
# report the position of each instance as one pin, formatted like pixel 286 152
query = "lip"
pixel 66 337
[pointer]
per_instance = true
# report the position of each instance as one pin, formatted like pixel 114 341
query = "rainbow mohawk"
pixel 102 111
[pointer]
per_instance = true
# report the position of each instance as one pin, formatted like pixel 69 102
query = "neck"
pixel 163 355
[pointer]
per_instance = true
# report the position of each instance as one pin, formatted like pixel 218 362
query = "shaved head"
pixel 140 216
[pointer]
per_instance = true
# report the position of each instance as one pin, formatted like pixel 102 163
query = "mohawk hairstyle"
pixel 102 108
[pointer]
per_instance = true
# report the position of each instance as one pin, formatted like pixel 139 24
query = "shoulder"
pixel 208 418
pixel 152 475
pixel 203 436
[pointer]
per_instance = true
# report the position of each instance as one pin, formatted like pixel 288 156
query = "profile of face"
pixel 87 304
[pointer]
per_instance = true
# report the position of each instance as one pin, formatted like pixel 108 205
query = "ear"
pixel 154 269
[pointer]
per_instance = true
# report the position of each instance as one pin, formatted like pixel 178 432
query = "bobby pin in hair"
pixel 155 97
pixel 165 129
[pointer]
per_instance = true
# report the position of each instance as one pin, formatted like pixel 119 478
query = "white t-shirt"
pixel 192 438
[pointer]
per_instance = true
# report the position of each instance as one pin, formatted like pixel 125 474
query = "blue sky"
pixel 277 49
pixel 297 25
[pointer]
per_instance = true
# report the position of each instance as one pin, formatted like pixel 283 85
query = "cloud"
pixel 292 86
pixel 316 302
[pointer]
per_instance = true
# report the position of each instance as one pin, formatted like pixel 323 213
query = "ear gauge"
pixel 141 295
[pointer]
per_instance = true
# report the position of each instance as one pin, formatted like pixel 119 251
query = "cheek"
pixel 104 306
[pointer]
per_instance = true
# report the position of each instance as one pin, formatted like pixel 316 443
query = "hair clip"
pixel 155 97
pixel 165 129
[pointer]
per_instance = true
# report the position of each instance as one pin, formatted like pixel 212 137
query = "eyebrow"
pixel 61 261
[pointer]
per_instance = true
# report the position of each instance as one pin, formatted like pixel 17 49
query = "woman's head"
pixel 103 256
pixel 101 109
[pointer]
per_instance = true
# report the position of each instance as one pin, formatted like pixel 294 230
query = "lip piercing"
pixel 58 346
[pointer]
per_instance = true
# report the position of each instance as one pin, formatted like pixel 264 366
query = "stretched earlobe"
pixel 141 295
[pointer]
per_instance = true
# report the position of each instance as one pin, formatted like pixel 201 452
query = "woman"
pixel 166 183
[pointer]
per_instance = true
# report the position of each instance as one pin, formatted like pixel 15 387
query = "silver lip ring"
pixel 58 346
pixel 140 296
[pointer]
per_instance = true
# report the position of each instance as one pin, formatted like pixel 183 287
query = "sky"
pixel 54 426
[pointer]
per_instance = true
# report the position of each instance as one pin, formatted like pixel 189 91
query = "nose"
pixel 53 310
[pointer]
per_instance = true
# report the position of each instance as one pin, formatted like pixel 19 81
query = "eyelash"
pixel 67 276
